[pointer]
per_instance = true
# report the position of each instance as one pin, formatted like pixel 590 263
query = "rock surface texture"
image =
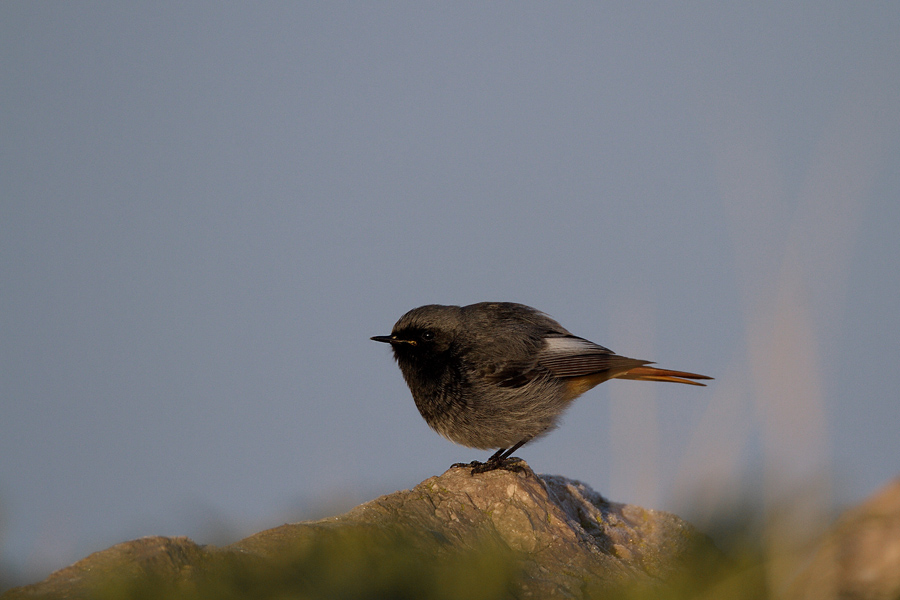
pixel 564 540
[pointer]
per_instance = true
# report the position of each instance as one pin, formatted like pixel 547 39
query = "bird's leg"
pixel 497 456
pixel 499 460
pixel 502 454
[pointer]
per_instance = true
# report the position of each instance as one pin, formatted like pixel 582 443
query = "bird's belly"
pixel 498 417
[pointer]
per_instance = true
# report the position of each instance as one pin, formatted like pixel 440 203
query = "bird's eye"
pixel 427 335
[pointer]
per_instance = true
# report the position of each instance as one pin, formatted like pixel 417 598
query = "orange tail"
pixel 654 374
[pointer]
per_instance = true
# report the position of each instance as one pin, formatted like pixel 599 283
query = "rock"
pixel 859 559
pixel 158 557
pixel 498 534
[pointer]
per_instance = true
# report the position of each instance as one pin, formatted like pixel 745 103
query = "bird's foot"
pixel 465 465
pixel 514 464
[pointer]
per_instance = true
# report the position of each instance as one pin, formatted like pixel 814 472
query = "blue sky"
pixel 208 209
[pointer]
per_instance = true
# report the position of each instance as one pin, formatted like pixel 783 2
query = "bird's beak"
pixel 390 339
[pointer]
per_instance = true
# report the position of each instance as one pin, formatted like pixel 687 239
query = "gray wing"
pixel 572 356
pixel 562 356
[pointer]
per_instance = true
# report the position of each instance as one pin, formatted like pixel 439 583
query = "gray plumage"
pixel 499 374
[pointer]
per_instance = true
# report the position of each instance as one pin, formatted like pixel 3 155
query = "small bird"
pixel 499 374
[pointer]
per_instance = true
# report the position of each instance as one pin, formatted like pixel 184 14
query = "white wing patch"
pixel 571 346
pixel 571 356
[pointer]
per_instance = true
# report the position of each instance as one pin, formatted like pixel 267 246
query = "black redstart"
pixel 499 374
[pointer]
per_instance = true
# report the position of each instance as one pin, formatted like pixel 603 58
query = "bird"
pixel 497 375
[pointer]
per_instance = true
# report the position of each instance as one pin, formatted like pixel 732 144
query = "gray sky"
pixel 207 210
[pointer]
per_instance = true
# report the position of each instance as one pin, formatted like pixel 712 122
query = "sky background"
pixel 207 209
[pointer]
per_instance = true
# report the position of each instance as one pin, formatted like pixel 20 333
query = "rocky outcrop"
pixel 860 558
pixel 504 533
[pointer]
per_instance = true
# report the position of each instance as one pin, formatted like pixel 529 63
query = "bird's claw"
pixel 513 464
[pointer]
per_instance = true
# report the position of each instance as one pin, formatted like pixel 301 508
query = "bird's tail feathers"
pixel 654 374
